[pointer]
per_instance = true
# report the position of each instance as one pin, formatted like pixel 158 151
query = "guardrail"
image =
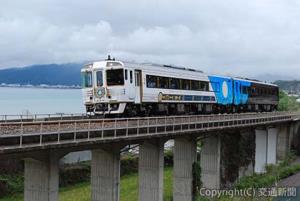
pixel 14 135
pixel 40 117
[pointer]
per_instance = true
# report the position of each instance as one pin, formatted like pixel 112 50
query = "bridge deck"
pixel 35 135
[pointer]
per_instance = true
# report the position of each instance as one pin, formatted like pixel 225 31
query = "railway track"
pixel 76 123
pixel 16 135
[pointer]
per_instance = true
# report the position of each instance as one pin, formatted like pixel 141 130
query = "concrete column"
pixel 210 162
pixel 105 174
pixel 272 145
pixel 260 150
pixel 151 167
pixel 282 142
pixel 41 179
pixel 185 154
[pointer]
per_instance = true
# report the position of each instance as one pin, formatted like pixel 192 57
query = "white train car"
pixel 116 87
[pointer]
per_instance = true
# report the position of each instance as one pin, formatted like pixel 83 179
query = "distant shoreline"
pixel 42 86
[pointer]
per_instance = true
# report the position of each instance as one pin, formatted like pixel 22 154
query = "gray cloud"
pixel 228 37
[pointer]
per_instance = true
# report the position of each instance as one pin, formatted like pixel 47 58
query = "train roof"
pixel 254 81
pixel 164 66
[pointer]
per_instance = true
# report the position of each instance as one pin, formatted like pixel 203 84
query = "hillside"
pixel 50 74
pixel 289 86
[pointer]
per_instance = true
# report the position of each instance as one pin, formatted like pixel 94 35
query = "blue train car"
pixel 223 88
pixel 254 95
pixel 240 88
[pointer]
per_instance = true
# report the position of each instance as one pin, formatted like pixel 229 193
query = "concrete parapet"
pixel 185 154
pixel 151 167
pixel 210 162
pixel 105 174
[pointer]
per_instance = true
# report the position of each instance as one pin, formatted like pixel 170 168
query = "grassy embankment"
pixel 129 189
pixel 129 185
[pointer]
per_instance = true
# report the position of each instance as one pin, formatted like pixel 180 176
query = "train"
pixel 112 87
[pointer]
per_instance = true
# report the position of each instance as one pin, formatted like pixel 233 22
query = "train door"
pixel 131 88
pixel 138 86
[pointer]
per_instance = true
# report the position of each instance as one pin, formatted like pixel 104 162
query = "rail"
pixel 16 135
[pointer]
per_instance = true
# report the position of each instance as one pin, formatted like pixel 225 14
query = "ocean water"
pixel 16 101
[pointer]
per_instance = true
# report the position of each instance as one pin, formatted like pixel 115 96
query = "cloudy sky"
pixel 229 37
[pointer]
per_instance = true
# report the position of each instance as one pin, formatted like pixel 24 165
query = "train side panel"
pixel 223 89
pixel 241 96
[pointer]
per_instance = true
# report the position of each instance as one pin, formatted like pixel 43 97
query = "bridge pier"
pixel 272 145
pixel 105 174
pixel 260 150
pixel 211 162
pixel 265 148
pixel 41 179
pixel 185 154
pixel 151 169
pixel 283 141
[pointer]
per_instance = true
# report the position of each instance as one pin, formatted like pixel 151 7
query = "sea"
pixel 18 101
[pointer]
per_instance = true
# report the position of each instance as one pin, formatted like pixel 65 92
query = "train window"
pixel 131 77
pixel 174 83
pixel 87 80
pixel 186 84
pixel 126 74
pixel 195 85
pixel 163 82
pixel 204 86
pixel 151 81
pixel 99 76
pixel 115 77
pixel 253 91
pixel 245 90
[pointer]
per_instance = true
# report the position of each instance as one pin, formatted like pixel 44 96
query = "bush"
pixel 129 164
pixel 70 175
pixel 274 173
pixel 168 158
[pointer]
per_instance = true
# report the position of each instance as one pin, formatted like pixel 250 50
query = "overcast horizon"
pixel 231 38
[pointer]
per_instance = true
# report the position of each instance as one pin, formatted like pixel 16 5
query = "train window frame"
pixel 87 79
pixel 204 86
pixel 151 81
pixel 157 83
pixel 97 78
pixel 184 86
pixel 117 81
pixel 126 74
pixel 164 81
pixel 131 76
pixel 174 83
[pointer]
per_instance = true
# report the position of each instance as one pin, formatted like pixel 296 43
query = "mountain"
pixel 271 77
pixel 289 86
pixel 50 74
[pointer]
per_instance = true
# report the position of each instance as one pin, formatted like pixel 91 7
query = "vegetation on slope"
pixel 287 103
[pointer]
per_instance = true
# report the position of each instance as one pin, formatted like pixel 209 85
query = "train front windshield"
pixel 87 79
pixel 115 77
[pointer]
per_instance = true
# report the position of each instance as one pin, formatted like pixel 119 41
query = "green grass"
pixel 129 190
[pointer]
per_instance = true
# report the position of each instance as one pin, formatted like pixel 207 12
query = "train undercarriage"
pixel 155 109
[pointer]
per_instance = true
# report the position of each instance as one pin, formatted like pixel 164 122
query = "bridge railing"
pixel 40 117
pixel 24 134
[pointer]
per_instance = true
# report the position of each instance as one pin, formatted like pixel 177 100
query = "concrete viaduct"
pixel 42 142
